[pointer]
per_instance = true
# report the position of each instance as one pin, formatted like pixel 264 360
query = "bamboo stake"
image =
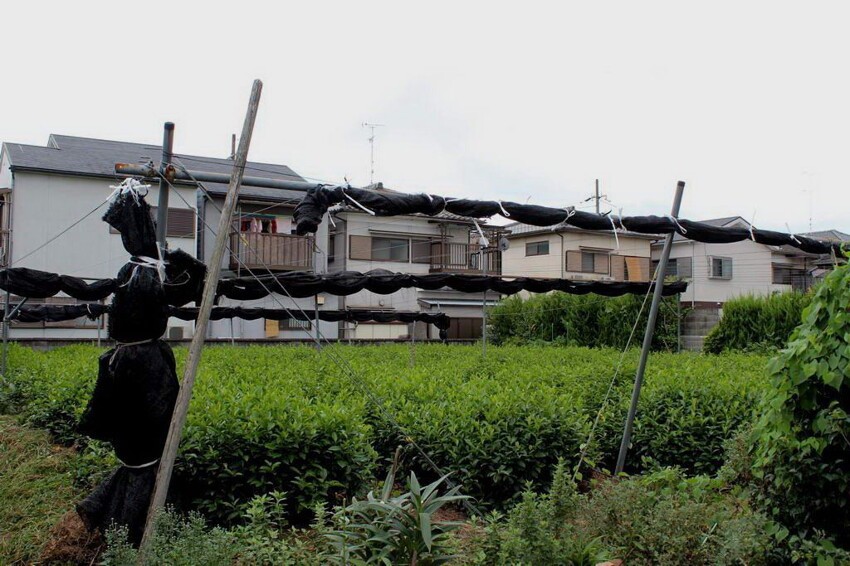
pixel 178 419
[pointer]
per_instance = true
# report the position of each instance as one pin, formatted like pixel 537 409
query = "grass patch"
pixel 36 489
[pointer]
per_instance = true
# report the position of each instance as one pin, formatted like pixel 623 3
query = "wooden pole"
pixel 178 419
pixel 647 336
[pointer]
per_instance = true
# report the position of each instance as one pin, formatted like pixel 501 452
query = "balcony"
pixel 272 252
pixel 463 258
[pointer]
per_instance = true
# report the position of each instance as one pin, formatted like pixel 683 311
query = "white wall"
pixel 44 204
pixel 515 263
pixel 752 270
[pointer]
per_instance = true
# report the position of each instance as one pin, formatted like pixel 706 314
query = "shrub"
pixel 581 320
pixel 289 419
pixel 801 451
pixel 761 323
pixel 662 518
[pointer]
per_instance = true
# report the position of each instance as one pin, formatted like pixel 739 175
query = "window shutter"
pixel 618 268
pixel 638 268
pixel 727 268
pixel 181 223
pixel 574 261
pixel 360 247
pixel 685 267
pixel 600 264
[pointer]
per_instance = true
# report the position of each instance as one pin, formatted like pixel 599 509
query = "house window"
pixel 293 324
pixel 537 248
pixel 681 267
pixel 720 267
pixel 331 247
pixel 390 249
pixel 181 222
pixel 589 262
pixel 421 251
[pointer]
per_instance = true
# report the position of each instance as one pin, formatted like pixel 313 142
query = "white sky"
pixel 745 101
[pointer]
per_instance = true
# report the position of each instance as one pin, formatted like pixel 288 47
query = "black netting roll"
pixel 130 214
pixel 139 311
pixel 123 498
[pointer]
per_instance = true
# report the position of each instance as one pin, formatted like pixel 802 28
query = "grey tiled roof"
pixel 93 157
pixel 829 235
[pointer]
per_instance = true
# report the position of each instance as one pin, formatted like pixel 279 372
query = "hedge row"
pixel 289 418
pixel 581 320
pixel 757 322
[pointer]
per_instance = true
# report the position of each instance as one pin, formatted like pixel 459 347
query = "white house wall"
pixel 516 263
pixel 43 205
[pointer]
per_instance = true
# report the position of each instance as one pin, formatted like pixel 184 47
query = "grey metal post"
pixel 484 267
pixel 647 336
pixel 162 201
pixel 99 326
pixel 5 331
pixel 318 335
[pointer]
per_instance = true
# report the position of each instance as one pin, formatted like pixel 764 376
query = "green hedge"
pixel 289 418
pixel 581 320
pixel 757 322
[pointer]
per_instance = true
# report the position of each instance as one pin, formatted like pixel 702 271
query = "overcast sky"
pixel 748 102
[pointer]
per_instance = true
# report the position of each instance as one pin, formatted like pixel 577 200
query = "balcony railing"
pixel 463 258
pixel 274 252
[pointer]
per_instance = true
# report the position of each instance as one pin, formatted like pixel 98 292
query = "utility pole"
pixel 647 336
pixel 181 407
pixel 372 150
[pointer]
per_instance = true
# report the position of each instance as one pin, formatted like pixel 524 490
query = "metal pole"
pixel 99 326
pixel 318 335
pixel 5 332
pixel 181 408
pixel 647 336
pixel 162 202
pixel 484 307
pixel 597 196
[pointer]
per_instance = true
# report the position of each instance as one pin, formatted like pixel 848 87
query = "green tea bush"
pixel 801 452
pixel 289 419
pixel 757 322
pixel 580 320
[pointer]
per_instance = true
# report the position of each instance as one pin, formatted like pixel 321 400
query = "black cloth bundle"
pixel 26 282
pixel 59 313
pixel 309 212
pixel 136 386
pixel 300 284
pixel 440 320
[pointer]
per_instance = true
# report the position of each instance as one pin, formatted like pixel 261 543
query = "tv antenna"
pixel 372 149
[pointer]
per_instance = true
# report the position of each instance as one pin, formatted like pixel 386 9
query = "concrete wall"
pixel 45 204
pixel 516 263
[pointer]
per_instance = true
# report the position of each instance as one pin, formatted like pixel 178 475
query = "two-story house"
pixel 566 252
pixel 719 272
pixel 415 244
pixel 46 189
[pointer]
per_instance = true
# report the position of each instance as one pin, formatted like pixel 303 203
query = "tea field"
pixel 292 419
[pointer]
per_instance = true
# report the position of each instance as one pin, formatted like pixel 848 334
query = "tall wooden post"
pixel 178 419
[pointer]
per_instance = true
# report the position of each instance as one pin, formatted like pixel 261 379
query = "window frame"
pixel 536 244
pixel 723 275
pixel 397 239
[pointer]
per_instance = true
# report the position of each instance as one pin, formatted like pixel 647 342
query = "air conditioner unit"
pixel 175 332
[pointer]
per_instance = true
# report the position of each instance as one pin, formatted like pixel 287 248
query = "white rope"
pixel 349 197
pixel 140 466
pixel 128 186
pixel 505 213
pixel 150 263
pixel 485 243
pixel 614 227
pixel 675 221
pixel 793 236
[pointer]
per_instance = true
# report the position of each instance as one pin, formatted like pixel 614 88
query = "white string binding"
pixel 675 221
pixel 505 213
pixel 128 186
pixel 790 233
pixel 485 243
pixel 360 206
pixel 140 466
pixel 614 228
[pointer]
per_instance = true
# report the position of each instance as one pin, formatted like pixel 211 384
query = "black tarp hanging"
pixel 300 284
pixel 59 313
pixel 312 208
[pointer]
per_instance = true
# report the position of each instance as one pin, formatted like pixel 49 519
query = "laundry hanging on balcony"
pixel 309 212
